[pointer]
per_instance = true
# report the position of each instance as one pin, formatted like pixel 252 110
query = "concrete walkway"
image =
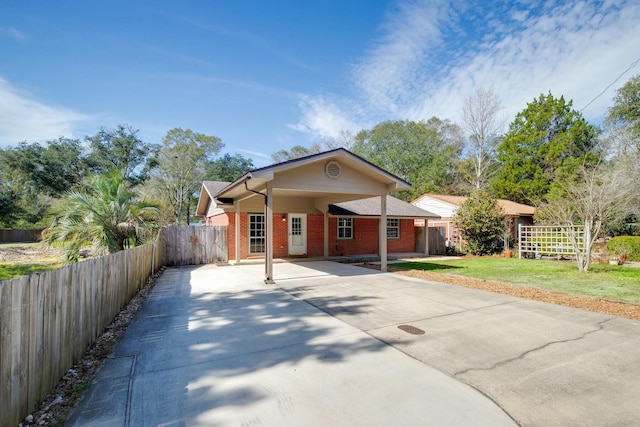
pixel 214 346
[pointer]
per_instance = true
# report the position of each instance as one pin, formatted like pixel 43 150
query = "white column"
pixel 268 214
pixel 426 236
pixel 237 233
pixel 382 233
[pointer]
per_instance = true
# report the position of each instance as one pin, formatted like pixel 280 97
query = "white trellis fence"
pixel 536 241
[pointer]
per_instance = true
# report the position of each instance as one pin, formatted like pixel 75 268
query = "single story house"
pixel 446 206
pixel 326 204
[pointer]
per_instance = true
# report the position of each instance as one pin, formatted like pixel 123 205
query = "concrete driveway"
pixel 214 346
pixel 545 365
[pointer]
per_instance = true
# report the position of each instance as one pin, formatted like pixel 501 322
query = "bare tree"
pixel 345 140
pixel 482 124
pixel 600 194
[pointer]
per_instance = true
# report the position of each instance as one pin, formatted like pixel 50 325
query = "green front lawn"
pixel 11 271
pixel 613 282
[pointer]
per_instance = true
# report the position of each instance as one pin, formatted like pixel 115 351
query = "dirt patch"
pixel 615 308
pixel 29 253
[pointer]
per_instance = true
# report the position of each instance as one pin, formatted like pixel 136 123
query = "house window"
pixel 345 228
pixel 393 228
pixel 256 234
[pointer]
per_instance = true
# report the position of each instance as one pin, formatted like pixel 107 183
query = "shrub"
pixel 629 245
pixel 482 224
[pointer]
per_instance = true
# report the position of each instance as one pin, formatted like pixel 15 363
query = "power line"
pixel 633 64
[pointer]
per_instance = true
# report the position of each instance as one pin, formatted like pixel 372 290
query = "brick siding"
pixel 364 241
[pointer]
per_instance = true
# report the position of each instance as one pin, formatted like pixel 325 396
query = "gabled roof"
pixel 213 187
pixel 209 189
pixel 371 207
pixel 267 173
pixel 509 207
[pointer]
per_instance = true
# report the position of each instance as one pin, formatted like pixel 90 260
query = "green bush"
pixel 482 224
pixel 629 245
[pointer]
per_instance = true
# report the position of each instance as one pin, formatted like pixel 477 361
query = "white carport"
pixel 308 185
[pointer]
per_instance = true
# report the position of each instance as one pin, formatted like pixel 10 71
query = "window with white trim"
pixel 345 228
pixel 256 234
pixel 393 228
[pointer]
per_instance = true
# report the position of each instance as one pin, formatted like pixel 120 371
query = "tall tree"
pixel 51 169
pixel 546 143
pixel 228 168
pixel 32 175
pixel 9 208
pixel 623 118
pixel 182 162
pixel 295 152
pixel 594 196
pixel 106 213
pixel 482 125
pixel 121 149
pixel 424 153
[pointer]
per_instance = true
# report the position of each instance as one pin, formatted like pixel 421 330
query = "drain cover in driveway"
pixel 411 329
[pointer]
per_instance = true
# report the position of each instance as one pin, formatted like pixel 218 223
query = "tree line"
pixel 36 178
pixel 549 157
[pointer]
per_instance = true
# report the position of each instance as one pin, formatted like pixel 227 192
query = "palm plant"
pixel 106 214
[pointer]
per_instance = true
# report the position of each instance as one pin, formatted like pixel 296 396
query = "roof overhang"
pixel 275 177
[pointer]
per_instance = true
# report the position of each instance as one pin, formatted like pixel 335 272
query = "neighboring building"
pixel 446 206
pixel 327 204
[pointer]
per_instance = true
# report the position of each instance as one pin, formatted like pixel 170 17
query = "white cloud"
pixel 255 153
pixel 326 118
pixel 430 59
pixel 390 74
pixel 25 119
pixel 13 33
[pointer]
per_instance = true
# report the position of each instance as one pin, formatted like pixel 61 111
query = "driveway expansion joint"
pixel 524 354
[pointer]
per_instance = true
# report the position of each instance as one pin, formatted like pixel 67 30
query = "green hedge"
pixel 625 244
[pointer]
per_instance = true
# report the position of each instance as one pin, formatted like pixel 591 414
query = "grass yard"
pixel 612 282
pixel 11 271
pixel 22 259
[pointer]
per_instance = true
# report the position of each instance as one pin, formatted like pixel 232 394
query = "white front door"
pixel 297 234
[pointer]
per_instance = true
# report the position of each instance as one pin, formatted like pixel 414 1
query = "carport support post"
pixel 382 233
pixel 426 236
pixel 237 232
pixel 268 259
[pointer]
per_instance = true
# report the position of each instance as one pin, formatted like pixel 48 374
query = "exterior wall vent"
pixel 333 169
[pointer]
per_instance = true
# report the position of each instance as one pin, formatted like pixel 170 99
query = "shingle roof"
pixel 211 188
pixel 371 207
pixel 214 187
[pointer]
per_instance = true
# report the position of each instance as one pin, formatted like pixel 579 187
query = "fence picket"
pixel 47 320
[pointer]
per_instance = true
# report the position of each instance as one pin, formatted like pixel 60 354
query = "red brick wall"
pixel 280 236
pixel 231 235
pixel 407 240
pixel 315 235
pixel 365 241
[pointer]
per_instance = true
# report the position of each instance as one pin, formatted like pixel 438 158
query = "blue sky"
pixel 268 75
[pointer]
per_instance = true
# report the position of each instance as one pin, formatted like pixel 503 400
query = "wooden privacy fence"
pixel 14 236
pixel 47 320
pixel 187 245
pixel 435 240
